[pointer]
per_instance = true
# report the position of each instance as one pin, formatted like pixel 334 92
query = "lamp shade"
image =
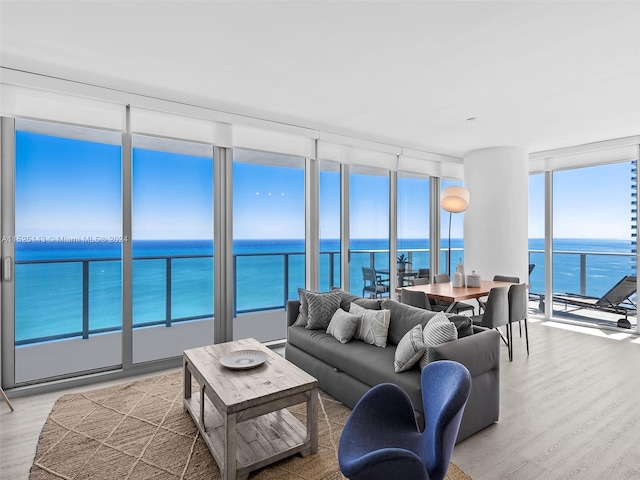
pixel 455 199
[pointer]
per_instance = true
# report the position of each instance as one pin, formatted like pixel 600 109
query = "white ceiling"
pixel 536 74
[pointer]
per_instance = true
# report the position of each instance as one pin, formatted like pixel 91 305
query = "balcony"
pixel 179 288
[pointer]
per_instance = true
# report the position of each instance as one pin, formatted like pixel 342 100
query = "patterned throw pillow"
pixel 321 307
pixel 343 325
pixel 409 350
pixel 303 311
pixel 373 326
pixel 438 330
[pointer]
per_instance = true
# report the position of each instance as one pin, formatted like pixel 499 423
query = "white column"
pixel 496 222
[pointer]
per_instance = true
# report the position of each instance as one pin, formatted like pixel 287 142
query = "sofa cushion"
pixel 343 325
pixel 437 331
pixel 369 364
pixel 409 350
pixel 321 307
pixel 373 326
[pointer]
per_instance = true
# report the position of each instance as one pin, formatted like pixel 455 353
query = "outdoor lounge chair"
pixel 615 300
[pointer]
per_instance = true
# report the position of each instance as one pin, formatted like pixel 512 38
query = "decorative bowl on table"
pixel 243 359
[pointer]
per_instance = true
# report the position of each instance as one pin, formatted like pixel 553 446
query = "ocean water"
pixel 49 293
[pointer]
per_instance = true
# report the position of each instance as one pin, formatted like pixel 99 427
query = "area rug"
pixel 139 431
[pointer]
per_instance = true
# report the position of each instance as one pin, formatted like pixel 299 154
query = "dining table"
pixel 447 292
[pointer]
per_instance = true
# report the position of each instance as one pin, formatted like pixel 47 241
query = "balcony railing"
pixel 274 277
pixel 584 273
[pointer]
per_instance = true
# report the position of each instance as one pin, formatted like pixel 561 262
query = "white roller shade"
pixel 357 152
pixel 255 138
pixel 151 122
pixel 37 104
pixel 426 163
pixel 610 151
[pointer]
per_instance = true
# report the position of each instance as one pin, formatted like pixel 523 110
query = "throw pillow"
pixel 321 307
pixel 463 325
pixel 343 325
pixel 347 298
pixel 437 331
pixel 303 311
pixel 373 326
pixel 409 350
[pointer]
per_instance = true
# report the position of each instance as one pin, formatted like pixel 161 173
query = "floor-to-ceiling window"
pixel 68 248
pixel 268 239
pixel 413 222
pixel 536 234
pixel 329 209
pixel 172 225
pixel 593 249
pixel 369 223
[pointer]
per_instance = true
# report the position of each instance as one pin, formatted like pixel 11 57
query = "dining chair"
pixel 496 312
pixel 425 281
pixel 517 313
pixel 506 278
pixel 458 306
pixel 373 283
pixel 419 299
pixel 499 278
pixel 441 278
pixel 423 272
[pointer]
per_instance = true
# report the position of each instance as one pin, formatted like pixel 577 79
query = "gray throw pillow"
pixel 409 350
pixel 343 325
pixel 321 307
pixel 463 325
pixel 303 311
pixel 373 326
pixel 348 298
pixel 437 331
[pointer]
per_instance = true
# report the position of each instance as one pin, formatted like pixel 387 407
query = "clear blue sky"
pixel 67 187
pixel 74 189
pixel 591 202
pixel 172 196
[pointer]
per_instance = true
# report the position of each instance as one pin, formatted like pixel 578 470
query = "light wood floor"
pixel 569 410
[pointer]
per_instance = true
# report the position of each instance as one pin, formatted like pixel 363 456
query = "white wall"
pixel 496 222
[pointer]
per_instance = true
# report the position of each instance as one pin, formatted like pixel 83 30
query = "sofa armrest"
pixel 293 308
pixel 480 352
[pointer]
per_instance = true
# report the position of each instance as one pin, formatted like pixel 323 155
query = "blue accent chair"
pixel 381 439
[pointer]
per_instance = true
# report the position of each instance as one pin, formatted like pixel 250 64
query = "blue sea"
pixel 50 301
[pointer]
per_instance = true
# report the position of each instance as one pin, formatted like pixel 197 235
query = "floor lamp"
pixel 453 200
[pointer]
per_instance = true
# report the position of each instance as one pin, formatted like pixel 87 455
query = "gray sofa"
pixel 347 371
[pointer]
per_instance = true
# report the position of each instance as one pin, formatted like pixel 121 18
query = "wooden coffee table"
pixel 241 414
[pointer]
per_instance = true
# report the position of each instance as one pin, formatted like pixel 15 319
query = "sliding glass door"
pixel 329 225
pixel 268 240
pixel 172 207
pixel 594 210
pixel 369 224
pixel 67 246
pixel 413 223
